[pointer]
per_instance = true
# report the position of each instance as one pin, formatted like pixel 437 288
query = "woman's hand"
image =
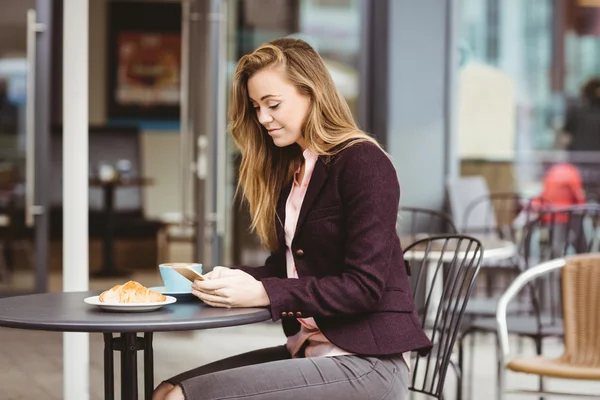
pixel 229 288
pixel 221 272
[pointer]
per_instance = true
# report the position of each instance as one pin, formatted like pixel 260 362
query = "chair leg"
pixel 500 376
pixel 461 367
pixel 471 365
pixel 538 350
pixel 458 374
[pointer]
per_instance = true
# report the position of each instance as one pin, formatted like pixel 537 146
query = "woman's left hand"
pixel 234 290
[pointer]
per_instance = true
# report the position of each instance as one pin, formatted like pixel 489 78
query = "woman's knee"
pixel 160 393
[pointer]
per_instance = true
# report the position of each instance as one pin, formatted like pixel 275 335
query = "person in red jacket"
pixel 563 187
pixel 323 197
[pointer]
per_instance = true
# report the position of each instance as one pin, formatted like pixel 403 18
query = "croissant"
pixel 131 292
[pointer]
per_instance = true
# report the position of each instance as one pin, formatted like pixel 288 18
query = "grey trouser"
pixel 272 375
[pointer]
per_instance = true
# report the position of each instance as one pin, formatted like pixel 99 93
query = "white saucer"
pixel 129 307
pixel 177 295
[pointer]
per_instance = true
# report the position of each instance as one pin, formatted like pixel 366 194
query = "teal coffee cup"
pixel 173 281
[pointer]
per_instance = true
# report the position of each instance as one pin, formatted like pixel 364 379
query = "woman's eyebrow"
pixel 264 97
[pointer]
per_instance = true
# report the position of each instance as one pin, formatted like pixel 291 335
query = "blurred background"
pixel 500 89
pixel 467 96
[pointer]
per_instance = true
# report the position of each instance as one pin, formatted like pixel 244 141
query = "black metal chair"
pixel 500 216
pixel 497 216
pixel 416 223
pixel 554 233
pixel 444 269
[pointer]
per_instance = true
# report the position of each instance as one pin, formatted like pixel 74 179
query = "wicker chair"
pixel 552 234
pixel 580 295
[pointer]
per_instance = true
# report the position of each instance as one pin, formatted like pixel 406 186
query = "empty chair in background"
pixel 552 234
pixel 415 223
pixel 580 292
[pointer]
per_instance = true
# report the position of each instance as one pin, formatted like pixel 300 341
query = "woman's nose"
pixel 264 117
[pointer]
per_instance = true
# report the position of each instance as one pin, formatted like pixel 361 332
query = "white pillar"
pixel 75 188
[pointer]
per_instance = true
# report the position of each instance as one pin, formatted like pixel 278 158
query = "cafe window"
pixel 523 65
pixel 333 28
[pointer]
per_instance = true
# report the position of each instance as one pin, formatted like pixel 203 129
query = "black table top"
pixel 66 312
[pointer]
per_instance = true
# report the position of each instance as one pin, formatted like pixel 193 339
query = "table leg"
pixel 129 384
pixel 128 344
pixel 109 378
pixel 108 256
pixel 148 366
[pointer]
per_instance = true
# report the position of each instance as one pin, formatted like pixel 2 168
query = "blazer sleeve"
pixel 274 267
pixel 370 192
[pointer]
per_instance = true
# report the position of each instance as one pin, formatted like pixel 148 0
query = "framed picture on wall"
pixel 144 60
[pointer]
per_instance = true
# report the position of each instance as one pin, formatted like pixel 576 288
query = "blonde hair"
pixel 328 127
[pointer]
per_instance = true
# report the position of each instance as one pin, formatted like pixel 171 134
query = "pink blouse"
pixel 309 335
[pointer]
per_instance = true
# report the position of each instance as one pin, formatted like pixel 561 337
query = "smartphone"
pixel 189 273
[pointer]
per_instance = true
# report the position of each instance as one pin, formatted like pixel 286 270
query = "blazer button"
pixel 299 253
pixel 298 314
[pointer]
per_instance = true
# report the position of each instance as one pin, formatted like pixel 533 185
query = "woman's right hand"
pixel 225 287
pixel 222 272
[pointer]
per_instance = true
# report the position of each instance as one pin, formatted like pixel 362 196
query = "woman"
pixel 323 198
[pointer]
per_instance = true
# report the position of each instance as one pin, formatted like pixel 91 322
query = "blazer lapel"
pixel 317 181
pixel 280 213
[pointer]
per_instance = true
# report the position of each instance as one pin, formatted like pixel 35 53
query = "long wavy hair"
pixel 328 127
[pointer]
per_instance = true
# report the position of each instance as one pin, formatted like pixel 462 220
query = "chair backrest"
pixel 499 214
pixel 556 233
pixel 416 223
pixel 444 269
pixel 461 192
pixel 581 296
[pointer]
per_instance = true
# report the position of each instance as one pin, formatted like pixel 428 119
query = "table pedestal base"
pixel 128 344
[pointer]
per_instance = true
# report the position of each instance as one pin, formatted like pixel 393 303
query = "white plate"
pixel 129 307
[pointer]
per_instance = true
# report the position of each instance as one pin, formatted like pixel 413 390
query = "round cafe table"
pixel 494 248
pixel 66 312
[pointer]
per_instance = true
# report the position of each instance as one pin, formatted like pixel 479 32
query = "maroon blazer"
pixel 351 274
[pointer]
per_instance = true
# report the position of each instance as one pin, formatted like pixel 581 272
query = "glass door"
pixel 25 44
pixel 333 28
pixel 215 44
